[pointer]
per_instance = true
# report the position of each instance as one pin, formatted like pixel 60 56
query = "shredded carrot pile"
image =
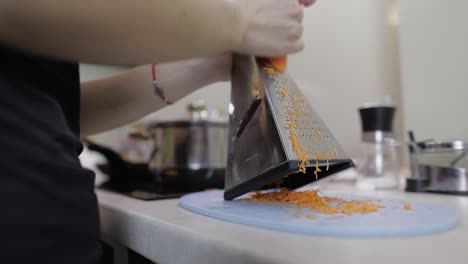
pixel 315 202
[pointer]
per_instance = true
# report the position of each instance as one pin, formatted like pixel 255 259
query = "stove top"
pixel 168 184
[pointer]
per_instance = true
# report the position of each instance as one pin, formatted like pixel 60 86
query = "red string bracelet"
pixel 157 89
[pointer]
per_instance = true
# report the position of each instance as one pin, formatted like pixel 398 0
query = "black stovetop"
pixel 165 185
pixel 144 191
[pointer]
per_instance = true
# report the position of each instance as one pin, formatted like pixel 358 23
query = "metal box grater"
pixel 266 109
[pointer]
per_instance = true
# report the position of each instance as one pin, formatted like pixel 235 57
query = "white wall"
pixel 434 47
pixel 351 57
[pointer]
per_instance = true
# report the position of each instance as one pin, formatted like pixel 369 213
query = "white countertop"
pixel 166 233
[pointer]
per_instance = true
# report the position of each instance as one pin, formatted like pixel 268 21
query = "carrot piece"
pixel 408 206
pixel 312 216
pixel 279 63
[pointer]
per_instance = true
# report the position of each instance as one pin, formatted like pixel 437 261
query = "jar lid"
pixel 377 118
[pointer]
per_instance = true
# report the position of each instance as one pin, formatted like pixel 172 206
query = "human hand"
pixel 271 28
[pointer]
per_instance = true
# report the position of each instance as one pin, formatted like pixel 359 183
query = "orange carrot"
pixel 280 63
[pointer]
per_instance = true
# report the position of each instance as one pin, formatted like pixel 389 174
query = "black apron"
pixel 48 208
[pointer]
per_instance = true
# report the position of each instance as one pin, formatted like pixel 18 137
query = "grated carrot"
pixel 292 115
pixel 269 70
pixel 335 154
pixel 312 216
pixel 283 94
pixel 317 170
pixel 408 206
pixel 319 134
pixel 313 201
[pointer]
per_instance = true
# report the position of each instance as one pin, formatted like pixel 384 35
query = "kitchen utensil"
pixel 192 144
pixel 391 221
pixel 268 113
pixel 379 165
pixel 448 180
pixel 426 175
pixel 188 144
pixel 189 153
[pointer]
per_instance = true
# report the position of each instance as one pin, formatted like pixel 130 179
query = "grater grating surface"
pixel 294 116
pixel 274 132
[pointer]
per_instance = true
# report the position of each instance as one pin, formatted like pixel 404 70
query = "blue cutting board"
pixel 391 221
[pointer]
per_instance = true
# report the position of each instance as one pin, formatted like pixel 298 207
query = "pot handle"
pixel 114 159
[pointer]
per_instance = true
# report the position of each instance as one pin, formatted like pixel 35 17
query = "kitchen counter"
pixel 165 233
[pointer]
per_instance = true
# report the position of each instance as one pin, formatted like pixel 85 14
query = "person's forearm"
pixel 120 31
pixel 115 101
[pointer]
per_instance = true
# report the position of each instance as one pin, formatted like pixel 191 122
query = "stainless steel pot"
pixel 435 166
pixel 445 179
pixel 188 145
pixel 187 156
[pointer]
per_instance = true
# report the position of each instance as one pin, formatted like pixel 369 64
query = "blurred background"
pixel 357 52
